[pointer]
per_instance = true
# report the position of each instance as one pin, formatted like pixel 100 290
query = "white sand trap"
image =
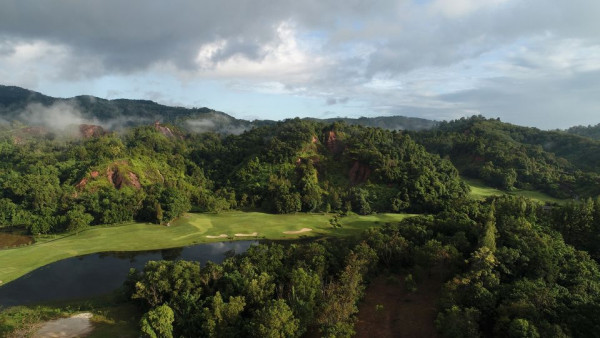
pixel 76 326
pixel 247 235
pixel 220 236
pixel 297 232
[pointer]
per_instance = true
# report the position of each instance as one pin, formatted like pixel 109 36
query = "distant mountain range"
pixel 35 109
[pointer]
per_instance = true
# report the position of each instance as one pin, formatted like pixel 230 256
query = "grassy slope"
pixel 190 229
pixel 480 190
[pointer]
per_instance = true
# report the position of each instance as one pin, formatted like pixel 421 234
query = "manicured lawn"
pixel 480 191
pixel 188 230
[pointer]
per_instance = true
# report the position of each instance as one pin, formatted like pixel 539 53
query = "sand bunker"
pixel 297 232
pixel 247 235
pixel 76 326
pixel 220 236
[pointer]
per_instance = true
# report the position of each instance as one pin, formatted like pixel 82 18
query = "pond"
pixel 97 274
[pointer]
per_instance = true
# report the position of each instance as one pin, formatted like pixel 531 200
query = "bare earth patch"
pixel 78 325
pixel 390 310
pixel 254 234
pixel 8 240
pixel 220 236
pixel 297 232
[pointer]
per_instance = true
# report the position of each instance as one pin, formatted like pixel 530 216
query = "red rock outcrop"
pixel 333 144
pixel 165 131
pixel 119 179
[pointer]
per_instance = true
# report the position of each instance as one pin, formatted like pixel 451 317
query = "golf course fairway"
pixel 188 230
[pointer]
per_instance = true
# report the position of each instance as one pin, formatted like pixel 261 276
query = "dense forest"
pixel 155 173
pixel 587 131
pixel 508 266
pixel 508 273
pixel 509 156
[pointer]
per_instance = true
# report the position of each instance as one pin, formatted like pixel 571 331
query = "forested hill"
pixel 155 173
pixel 35 109
pixel 387 122
pixel 506 156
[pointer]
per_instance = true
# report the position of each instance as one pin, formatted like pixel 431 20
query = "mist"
pixel 56 117
pixel 216 124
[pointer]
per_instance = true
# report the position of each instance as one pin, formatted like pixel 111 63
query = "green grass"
pixel 480 191
pixel 188 230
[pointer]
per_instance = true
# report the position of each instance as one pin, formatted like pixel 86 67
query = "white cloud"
pixel 284 58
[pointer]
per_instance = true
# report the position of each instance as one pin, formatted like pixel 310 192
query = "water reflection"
pixel 100 273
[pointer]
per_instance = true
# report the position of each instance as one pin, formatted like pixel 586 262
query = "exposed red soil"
pixel 116 176
pixel 90 130
pixel 333 144
pixel 134 181
pixel 119 179
pixel 166 131
pixel 82 183
pixel 359 173
pixel 404 314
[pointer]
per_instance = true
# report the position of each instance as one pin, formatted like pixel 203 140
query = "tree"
pixel 158 322
pixel 77 218
pixel 175 202
pixel 222 319
pixel 274 320
pixel 521 328
pixel 458 323
pixel 305 292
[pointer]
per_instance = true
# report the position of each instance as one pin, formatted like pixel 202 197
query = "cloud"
pixel 57 116
pixel 420 58
pixel 215 123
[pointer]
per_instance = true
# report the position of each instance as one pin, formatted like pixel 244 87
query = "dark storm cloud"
pixel 130 35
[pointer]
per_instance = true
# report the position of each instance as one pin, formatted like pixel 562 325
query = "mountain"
pixel 36 109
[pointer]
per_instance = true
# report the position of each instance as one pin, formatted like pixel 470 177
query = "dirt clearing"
pixel 8 240
pixel 390 310
pixel 78 325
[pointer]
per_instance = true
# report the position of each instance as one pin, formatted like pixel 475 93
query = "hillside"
pixel 155 173
pixel 506 156
pixel 35 109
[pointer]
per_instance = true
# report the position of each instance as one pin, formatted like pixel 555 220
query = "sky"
pixel 529 62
